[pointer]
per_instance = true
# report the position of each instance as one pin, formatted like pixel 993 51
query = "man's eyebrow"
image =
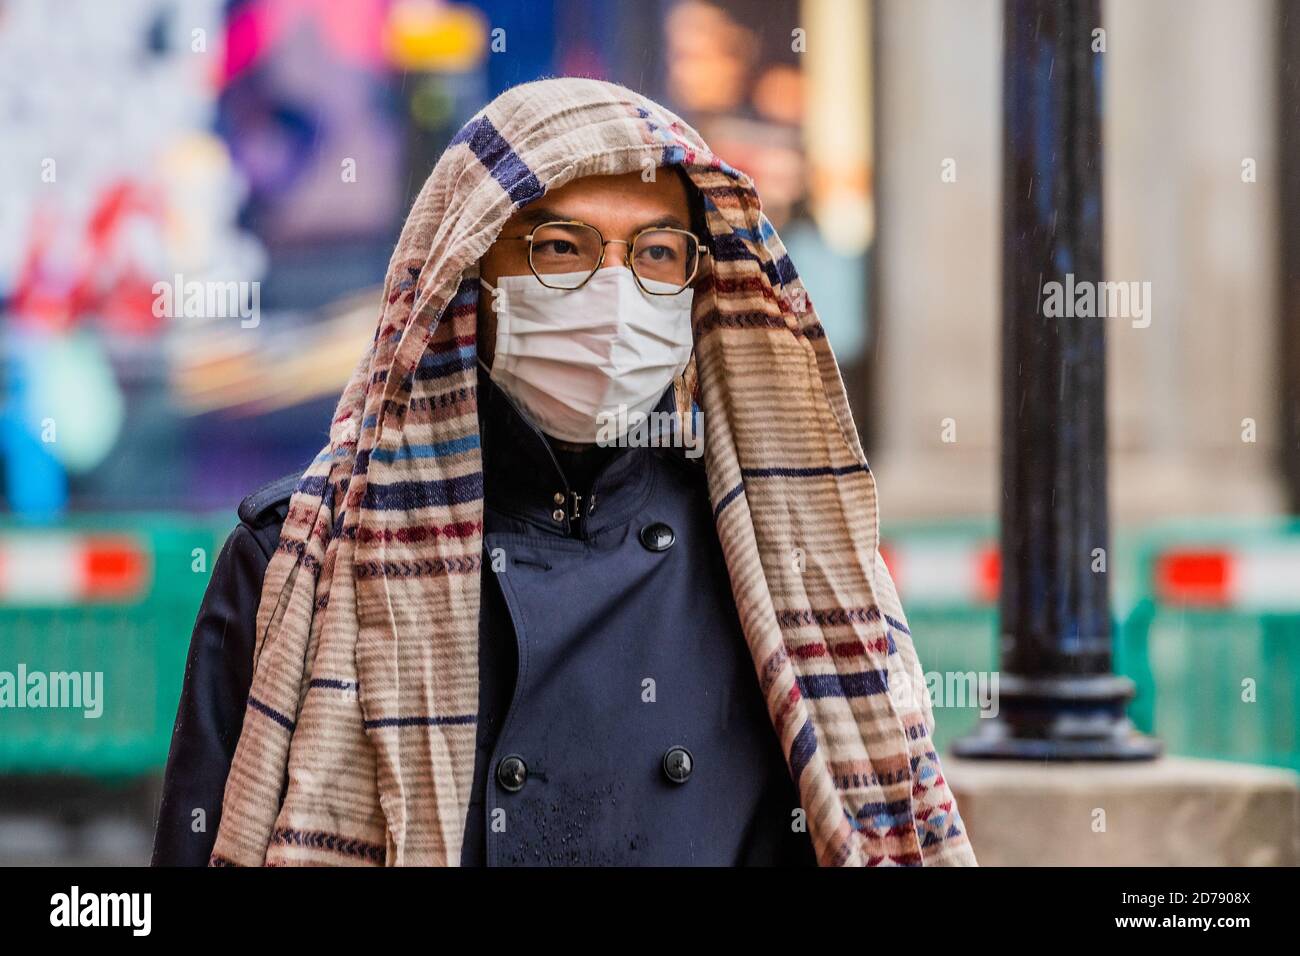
pixel 536 214
pixel 663 222
pixel 539 214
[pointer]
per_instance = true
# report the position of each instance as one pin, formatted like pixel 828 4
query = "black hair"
pixel 695 200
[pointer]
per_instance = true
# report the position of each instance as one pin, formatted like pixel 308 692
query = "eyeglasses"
pixel 565 254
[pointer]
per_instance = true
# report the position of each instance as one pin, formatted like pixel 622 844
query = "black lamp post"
pixel 1058 697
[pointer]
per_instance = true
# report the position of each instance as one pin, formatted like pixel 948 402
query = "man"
pixel 506 617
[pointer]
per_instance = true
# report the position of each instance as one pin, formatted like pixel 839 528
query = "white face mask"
pixel 571 358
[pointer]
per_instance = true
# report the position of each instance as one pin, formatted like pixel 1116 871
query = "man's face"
pixel 618 206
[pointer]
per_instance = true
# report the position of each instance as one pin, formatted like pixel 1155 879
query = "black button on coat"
pixel 607 669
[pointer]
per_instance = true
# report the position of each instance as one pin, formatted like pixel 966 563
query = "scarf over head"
pixel 358 742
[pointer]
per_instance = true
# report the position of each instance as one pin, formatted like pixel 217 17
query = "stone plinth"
pixel 1173 811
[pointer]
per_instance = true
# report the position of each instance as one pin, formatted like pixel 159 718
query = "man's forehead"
pixel 622 200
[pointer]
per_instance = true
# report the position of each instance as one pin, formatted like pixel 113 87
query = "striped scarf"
pixel 358 742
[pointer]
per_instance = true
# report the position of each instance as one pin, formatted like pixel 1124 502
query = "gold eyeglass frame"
pixel 700 252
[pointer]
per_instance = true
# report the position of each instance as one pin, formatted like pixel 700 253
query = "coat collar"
pixel 523 478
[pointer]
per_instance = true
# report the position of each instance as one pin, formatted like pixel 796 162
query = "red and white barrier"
pixel 40 568
pixel 944 571
pixel 1263 577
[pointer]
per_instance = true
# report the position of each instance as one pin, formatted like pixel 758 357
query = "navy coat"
pixel 620 719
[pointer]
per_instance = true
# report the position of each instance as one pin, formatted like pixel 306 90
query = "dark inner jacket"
pixel 620 717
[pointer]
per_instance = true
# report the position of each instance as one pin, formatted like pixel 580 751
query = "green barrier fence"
pixel 112 601
pixel 1214 640
pixel 1207 626
pixel 1217 667
pixel 949 597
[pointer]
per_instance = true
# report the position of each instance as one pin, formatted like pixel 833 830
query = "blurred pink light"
pixel 351 31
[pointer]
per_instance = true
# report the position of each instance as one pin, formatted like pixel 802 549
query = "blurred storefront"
pixel 276 145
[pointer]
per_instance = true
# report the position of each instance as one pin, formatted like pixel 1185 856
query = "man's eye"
pixel 659 253
pixel 556 247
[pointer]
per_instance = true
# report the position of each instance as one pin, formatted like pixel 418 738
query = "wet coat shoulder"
pixel 269 504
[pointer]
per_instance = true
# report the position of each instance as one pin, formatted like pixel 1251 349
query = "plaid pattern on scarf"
pixel 358 743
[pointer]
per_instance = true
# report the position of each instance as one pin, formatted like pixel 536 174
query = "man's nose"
pixel 616 253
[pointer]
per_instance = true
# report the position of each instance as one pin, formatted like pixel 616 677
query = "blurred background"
pixel 281 142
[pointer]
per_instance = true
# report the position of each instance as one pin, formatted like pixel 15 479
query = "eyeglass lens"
pixel 572 250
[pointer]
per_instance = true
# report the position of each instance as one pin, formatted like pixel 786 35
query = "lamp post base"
pixel 1059 718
